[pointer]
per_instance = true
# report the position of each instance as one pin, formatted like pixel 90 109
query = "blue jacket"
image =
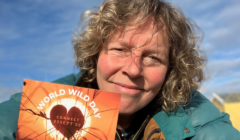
pixel 199 120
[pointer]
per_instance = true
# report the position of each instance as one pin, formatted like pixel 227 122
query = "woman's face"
pixel 136 72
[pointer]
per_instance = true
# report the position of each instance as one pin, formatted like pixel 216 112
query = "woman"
pixel 145 50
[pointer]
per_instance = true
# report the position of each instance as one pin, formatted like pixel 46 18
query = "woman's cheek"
pixel 107 65
pixel 156 77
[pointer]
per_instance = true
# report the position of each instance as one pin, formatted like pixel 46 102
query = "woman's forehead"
pixel 141 36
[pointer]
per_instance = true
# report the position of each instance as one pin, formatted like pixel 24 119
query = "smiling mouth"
pixel 127 89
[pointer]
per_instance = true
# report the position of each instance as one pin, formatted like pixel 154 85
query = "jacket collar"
pixel 175 125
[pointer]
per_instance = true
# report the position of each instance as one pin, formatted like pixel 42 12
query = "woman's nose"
pixel 133 68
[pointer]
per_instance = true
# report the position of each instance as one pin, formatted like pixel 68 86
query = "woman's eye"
pixel 117 49
pixel 120 52
pixel 151 61
pixel 153 58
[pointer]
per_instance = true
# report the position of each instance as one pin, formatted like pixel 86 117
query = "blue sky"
pixel 35 41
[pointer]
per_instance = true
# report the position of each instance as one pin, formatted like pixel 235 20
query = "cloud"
pixel 220 74
pixel 20 19
pixel 39 33
pixel 224 65
pixel 219 21
pixel 6 92
pixel 223 26
pixel 36 40
pixel 231 86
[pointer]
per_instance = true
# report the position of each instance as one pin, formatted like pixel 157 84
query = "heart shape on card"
pixel 67 123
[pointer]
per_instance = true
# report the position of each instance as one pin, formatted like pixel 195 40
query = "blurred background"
pixel 35 43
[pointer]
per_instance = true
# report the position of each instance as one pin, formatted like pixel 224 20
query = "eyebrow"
pixel 149 51
pixel 125 44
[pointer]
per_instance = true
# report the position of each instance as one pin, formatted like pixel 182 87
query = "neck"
pixel 124 121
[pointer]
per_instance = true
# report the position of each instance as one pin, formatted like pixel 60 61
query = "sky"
pixel 35 41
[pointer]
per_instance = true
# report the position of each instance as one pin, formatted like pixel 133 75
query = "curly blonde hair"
pixel 184 71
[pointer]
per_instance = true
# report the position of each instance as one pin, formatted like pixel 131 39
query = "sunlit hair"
pixel 184 71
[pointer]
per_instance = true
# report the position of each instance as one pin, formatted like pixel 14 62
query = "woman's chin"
pixel 127 110
pixel 125 113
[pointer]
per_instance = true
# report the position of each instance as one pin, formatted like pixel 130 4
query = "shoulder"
pixel 9 110
pixel 70 79
pixel 208 121
pixel 199 120
pixel 9 117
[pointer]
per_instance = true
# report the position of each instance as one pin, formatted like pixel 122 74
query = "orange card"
pixel 51 111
